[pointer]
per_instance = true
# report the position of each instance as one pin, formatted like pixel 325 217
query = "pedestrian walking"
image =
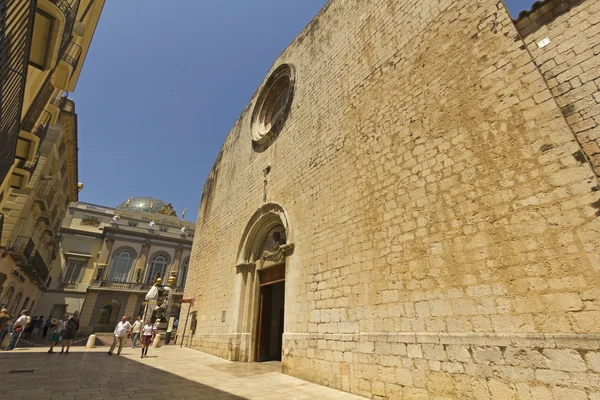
pixel 59 329
pixel 71 329
pixel 29 328
pixel 147 331
pixel 120 332
pixel 135 331
pixel 4 318
pixel 17 329
pixel 47 326
pixel 39 324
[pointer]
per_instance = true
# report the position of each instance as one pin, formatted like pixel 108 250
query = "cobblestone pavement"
pixel 168 373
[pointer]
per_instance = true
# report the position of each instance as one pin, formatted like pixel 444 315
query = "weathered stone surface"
pixel 440 213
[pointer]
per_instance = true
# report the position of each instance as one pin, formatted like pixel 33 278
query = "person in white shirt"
pixel 17 329
pixel 146 337
pixel 135 331
pixel 120 335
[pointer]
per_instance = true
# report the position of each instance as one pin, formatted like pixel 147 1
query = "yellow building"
pixel 45 46
pixel 109 258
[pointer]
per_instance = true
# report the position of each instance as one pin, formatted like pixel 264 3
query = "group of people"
pixel 63 331
pixel 125 329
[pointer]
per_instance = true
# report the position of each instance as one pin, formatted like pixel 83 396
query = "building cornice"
pixel 81 233
pixel 148 235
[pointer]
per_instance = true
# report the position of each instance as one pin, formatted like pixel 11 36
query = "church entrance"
pixel 270 314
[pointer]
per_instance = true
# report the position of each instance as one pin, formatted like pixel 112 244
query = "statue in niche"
pixel 99 273
pixel 151 224
pixel 184 230
pixel 138 275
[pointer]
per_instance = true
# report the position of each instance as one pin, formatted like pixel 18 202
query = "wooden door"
pixel 264 324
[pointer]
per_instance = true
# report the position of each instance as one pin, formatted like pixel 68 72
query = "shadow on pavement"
pixel 94 375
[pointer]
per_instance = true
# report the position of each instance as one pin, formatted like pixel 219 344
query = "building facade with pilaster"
pixel 109 258
pixel 43 46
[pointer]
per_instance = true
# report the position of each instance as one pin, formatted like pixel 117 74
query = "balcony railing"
pixel 68 285
pixel 22 245
pixel 16 27
pixel 38 122
pixel 69 9
pixel 29 166
pixel 72 55
pixel 143 287
pixel 39 266
pixel 42 191
pixel 59 101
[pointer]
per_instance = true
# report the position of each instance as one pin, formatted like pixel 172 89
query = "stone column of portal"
pixel 141 263
pixel 105 251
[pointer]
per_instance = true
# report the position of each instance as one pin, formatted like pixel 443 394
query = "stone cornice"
pixel 108 229
pixel 81 233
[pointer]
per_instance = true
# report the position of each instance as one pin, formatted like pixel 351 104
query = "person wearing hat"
pixel 59 328
pixel 18 327
pixel 4 318
pixel 120 335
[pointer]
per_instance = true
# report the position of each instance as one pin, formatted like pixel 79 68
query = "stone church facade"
pixel 408 207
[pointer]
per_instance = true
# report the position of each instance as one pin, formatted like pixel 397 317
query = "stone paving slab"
pixel 167 373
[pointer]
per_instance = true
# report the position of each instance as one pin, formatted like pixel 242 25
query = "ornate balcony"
pixel 22 248
pixel 69 10
pixel 128 286
pixel 59 101
pixel 72 55
pixel 54 22
pixel 68 285
pixel 16 21
pixel 65 68
pixel 37 123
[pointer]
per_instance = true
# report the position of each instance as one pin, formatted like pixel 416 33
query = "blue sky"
pixel 163 84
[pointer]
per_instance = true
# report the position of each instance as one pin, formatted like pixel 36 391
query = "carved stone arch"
pixel 262 221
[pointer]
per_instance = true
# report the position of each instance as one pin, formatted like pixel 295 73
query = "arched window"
pixel 108 314
pixel 183 272
pixel 8 297
pixel 15 307
pixel 26 303
pixel 158 268
pixel 121 265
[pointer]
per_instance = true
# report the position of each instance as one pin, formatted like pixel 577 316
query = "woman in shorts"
pixel 146 337
pixel 59 328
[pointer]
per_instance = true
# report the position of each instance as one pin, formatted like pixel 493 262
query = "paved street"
pixel 168 373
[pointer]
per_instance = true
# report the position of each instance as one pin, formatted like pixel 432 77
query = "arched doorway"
pixel 260 284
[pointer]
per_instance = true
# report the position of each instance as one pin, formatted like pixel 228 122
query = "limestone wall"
pixel 570 63
pixel 442 212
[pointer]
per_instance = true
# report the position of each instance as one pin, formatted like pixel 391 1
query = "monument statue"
pixel 158 301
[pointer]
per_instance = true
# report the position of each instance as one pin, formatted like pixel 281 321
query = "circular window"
pixel 273 105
